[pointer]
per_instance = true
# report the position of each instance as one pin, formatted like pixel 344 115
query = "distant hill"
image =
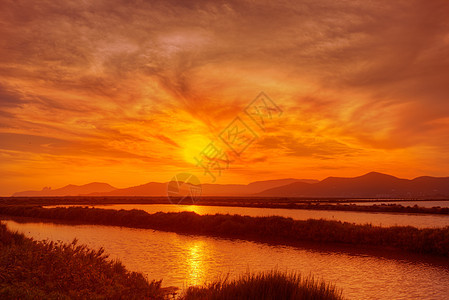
pixel 69 190
pixel 371 185
pixel 149 189
pixel 160 189
pixel 247 189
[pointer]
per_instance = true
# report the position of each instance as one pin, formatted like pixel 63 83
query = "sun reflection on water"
pixel 197 262
pixel 201 210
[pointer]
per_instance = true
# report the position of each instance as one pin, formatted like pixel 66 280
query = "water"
pixel 182 260
pixel 379 219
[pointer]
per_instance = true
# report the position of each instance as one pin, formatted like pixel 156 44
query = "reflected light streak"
pixel 197 263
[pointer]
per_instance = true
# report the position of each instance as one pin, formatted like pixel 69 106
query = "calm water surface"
pixel 183 260
pixel 380 219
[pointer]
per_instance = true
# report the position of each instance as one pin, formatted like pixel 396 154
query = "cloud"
pixel 166 140
pixel 142 76
pixel 306 147
pixel 55 146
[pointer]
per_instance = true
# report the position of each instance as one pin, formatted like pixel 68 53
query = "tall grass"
pixel 395 208
pixel 337 204
pixel 49 270
pixel 267 285
pixel 278 229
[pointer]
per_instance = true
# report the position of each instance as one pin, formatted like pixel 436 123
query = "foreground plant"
pixel 48 270
pixel 268 285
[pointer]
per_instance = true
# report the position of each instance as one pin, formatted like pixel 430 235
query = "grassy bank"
pixel 47 270
pixel 255 202
pixel 271 229
pixel 269 285
pixel 389 208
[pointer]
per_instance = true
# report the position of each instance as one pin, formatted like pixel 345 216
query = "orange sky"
pixel 130 93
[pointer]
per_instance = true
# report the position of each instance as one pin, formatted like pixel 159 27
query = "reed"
pixel 52 270
pixel 265 285
pixel 336 204
pixel 271 229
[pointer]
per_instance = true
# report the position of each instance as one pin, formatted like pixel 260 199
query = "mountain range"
pixel 371 185
pixel 69 190
pixel 160 189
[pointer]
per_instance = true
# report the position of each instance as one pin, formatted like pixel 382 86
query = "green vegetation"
pixel 269 285
pixel 270 229
pixel 48 270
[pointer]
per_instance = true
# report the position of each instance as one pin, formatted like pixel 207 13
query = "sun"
pixel 192 147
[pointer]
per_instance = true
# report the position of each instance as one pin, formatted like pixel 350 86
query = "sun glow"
pixel 192 147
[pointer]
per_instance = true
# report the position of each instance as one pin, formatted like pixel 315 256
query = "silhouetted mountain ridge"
pixel 208 189
pixel 160 189
pixel 68 190
pixel 370 185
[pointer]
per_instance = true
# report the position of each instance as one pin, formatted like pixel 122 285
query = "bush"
pixel 268 285
pixel 49 270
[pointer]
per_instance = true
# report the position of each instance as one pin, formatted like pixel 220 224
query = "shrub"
pixel 266 285
pixel 38 270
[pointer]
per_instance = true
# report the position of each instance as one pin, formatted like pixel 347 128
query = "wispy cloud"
pixel 121 80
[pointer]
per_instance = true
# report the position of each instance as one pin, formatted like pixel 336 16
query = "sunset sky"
pixel 128 92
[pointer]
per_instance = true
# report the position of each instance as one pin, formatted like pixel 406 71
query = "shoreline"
pixel 389 253
pixel 328 204
pixel 265 229
pixel 31 269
